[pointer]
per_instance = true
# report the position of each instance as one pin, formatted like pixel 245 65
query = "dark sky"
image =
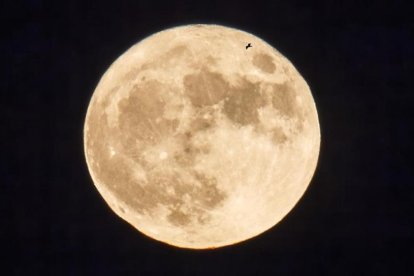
pixel 356 218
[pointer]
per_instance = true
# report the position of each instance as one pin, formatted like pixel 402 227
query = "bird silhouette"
pixel 248 45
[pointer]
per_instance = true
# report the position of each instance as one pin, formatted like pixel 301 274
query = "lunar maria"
pixel 199 142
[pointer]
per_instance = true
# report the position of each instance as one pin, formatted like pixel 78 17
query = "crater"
pixel 264 62
pixel 242 105
pixel 187 156
pixel 178 217
pixel 172 57
pixel 177 51
pixel 209 194
pixel 106 99
pixel 278 135
pixel 210 60
pixel 203 120
pixel 204 196
pixel 201 124
pixel 131 74
pixel 205 88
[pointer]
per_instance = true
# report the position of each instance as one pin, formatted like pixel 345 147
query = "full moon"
pixel 199 141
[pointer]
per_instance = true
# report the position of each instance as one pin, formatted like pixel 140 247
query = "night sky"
pixel 356 218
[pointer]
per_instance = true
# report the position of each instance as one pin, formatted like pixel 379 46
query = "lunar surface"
pixel 199 142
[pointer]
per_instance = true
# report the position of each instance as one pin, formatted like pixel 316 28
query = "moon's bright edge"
pixel 198 142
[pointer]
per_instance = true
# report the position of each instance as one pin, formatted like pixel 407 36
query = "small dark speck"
pixel 248 46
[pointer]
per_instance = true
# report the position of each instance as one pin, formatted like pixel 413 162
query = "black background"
pixel 356 217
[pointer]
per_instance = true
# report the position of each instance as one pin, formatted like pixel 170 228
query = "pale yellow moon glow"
pixel 199 142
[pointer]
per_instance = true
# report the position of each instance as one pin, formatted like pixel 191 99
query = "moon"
pixel 198 141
